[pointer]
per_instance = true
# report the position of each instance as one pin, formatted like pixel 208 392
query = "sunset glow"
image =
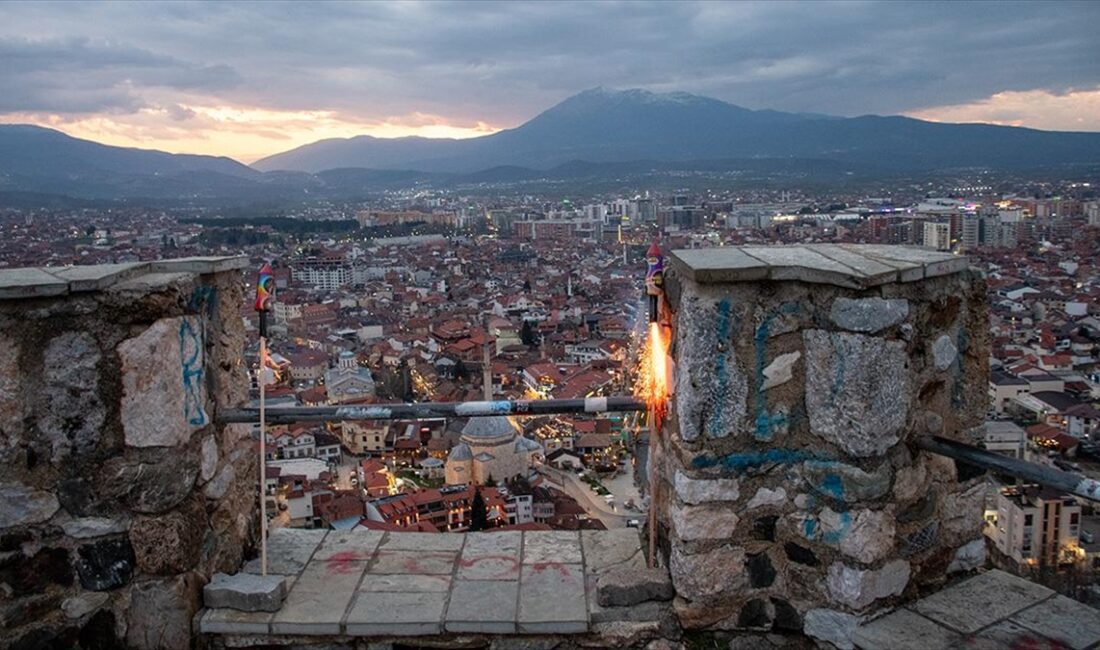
pixel 243 133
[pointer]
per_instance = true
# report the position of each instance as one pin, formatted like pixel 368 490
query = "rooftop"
pixel 846 265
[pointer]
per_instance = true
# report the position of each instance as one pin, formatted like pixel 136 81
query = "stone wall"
pixel 119 497
pixel 790 494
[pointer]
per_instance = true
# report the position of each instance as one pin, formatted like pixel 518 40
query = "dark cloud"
pixel 501 62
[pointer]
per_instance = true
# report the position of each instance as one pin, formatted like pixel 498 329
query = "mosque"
pixel 490 447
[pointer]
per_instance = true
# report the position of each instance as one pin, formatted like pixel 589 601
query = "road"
pixel 595 504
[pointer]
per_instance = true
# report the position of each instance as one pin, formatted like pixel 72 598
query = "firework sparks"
pixel 653 373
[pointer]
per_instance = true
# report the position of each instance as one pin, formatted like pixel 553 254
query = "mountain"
pixel 604 126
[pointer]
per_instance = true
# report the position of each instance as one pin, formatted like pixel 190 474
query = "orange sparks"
pixel 653 376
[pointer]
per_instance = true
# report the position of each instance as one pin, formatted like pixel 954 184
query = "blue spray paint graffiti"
pixel 191 364
pixel 204 299
pixel 721 369
pixel 812 525
pixel 745 461
pixel 766 421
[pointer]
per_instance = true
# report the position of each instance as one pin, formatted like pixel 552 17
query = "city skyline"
pixel 250 80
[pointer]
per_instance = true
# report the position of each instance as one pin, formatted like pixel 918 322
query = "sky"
pixel 251 79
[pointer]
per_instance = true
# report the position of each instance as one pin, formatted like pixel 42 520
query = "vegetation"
pixel 479 513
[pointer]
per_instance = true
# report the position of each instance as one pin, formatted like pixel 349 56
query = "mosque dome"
pixel 490 430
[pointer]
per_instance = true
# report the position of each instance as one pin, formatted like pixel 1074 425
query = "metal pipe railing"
pixel 435 410
pixel 1066 481
pixel 1070 482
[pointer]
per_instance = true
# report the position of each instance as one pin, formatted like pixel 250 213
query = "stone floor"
pixel 369 583
pixel 992 611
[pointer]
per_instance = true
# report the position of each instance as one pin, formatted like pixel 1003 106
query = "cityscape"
pixel 777 486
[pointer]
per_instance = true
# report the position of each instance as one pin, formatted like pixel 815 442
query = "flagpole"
pixel 265 294
pixel 263 445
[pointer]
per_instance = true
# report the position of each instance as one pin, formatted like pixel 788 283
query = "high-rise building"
pixel 937 235
pixel 1035 525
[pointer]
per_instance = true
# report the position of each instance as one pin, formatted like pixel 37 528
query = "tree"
pixel 479 513
pixel 527 334
pixel 527 286
pixel 490 482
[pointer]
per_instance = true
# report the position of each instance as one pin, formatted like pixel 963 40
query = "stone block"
pixel 164 391
pixel 607 549
pixel 209 458
pixel 858 588
pixel 396 614
pixel 491 556
pixel 170 543
pixel 246 592
pixel 981 601
pixel 11 397
pixel 232 621
pixel 150 485
pixel 767 497
pixel 70 411
pixel 483 607
pixel 780 370
pixel 868 315
pixel 622 587
pixel 1064 620
pixel 703 575
pixel 845 482
pixel 968 556
pixel 106 564
pixel 551 547
pixel 905 630
pixel 711 384
pixel 21 505
pixel 552 599
pixel 161 613
pixel 691 523
pixel 694 491
pixel 857 390
pixel 80 605
pixel 944 352
pixel 89 527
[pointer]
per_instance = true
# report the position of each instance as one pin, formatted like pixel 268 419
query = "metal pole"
pixel 437 409
pixel 650 461
pixel 263 446
pixel 1070 482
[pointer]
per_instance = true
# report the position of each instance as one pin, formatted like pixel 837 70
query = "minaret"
pixel 486 372
pixel 569 285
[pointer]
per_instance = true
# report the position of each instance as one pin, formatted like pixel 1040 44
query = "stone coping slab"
pixel 40 282
pixel 379 584
pixel 991 611
pixel 855 266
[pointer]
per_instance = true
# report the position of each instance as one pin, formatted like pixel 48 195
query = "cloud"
pixel 489 65
pixel 1077 110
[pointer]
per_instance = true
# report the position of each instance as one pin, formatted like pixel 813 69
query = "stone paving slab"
pixel 405 582
pixel 34 282
pixel 1006 635
pixel 422 542
pixel 491 556
pixel 1063 619
pixel 803 264
pixel 604 549
pixel 905 630
pixel 396 614
pixel 348 545
pixel 483 606
pixel 200 265
pixel 232 621
pixel 558 546
pixel 552 599
pixel 422 562
pixel 981 601
pixel 288 550
pixel 716 265
pixel 331 575
pixel 311 612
